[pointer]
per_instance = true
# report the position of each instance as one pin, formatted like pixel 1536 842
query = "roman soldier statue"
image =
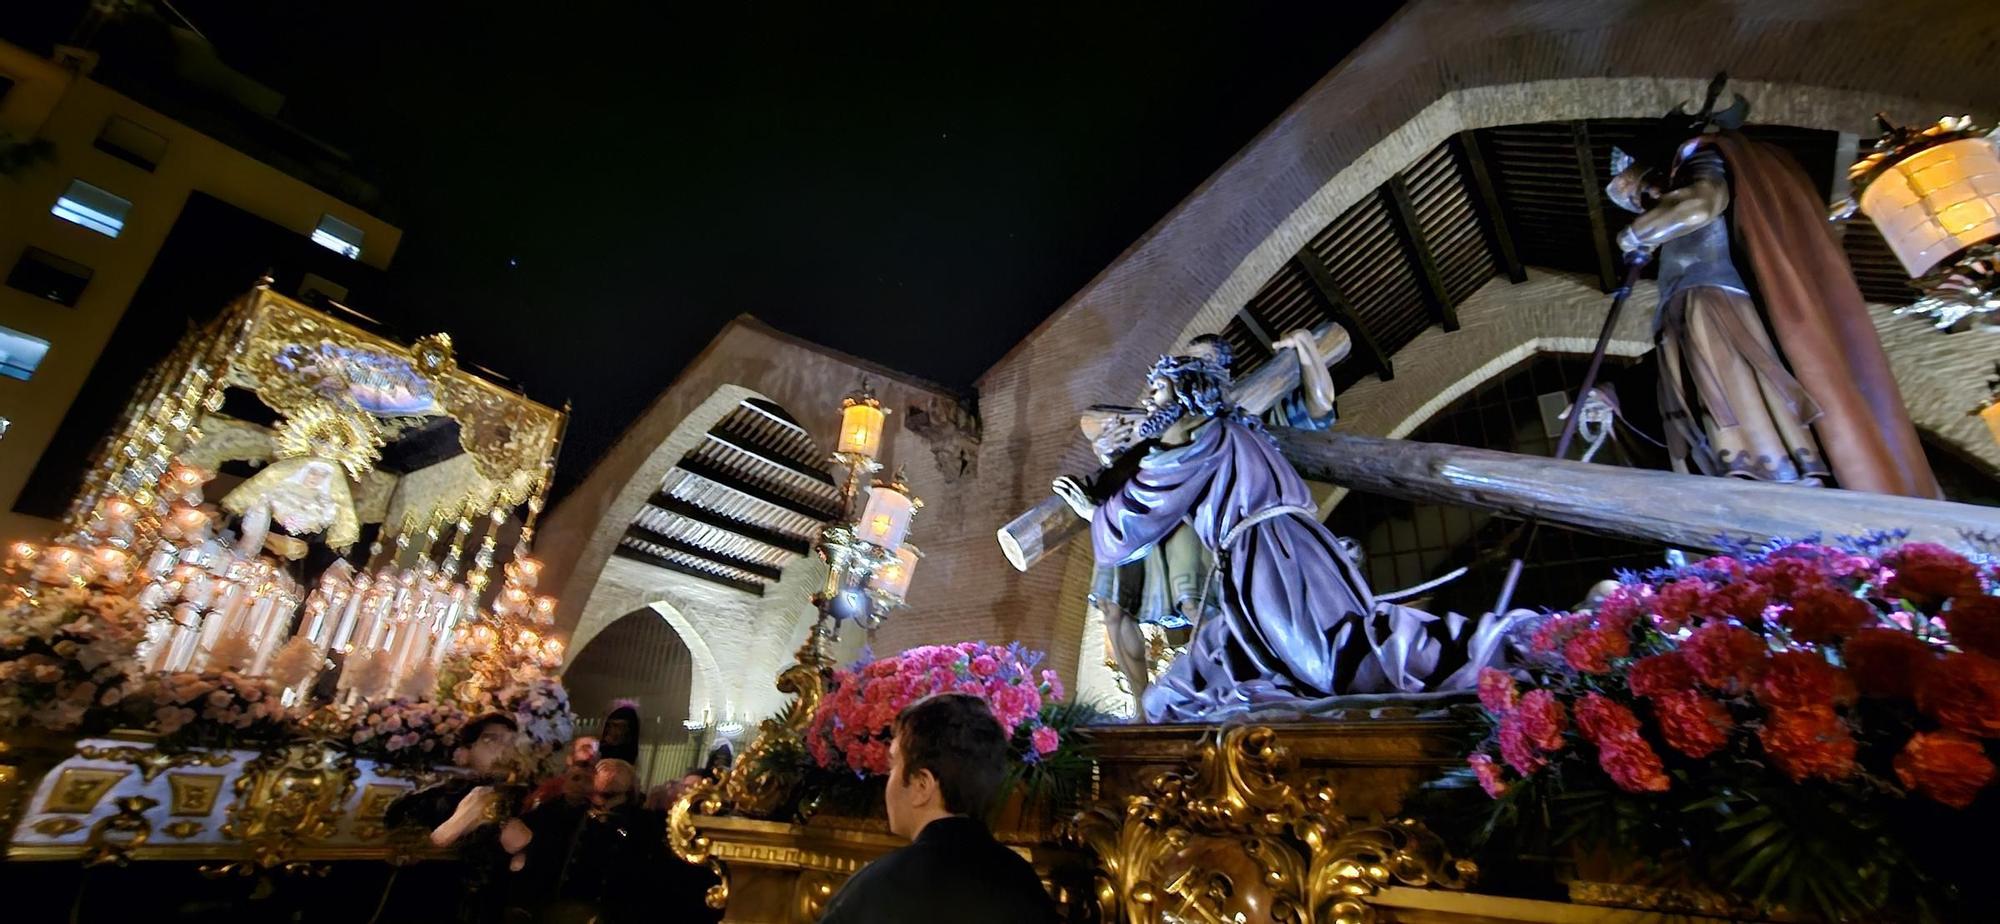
pixel 1770 367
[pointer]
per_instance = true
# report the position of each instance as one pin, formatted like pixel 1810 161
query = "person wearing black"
pixel 946 761
pixel 600 861
pixel 460 811
pixel 620 740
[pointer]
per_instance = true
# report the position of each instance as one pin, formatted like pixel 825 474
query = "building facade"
pixel 81 228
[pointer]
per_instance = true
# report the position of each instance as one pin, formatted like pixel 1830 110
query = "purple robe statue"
pixel 1288 597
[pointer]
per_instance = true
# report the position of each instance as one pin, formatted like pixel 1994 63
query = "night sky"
pixel 589 191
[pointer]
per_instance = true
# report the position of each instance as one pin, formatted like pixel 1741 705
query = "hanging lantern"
pixel 886 519
pixel 893 581
pixel 861 420
pixel 1934 194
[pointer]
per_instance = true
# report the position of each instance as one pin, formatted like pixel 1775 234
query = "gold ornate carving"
pixel 288 798
pixel 193 793
pixel 130 826
pixel 79 789
pixel 57 827
pixel 1177 848
pixel 691 845
pixel 152 761
pixel 815 888
pixel 375 800
pixel 182 830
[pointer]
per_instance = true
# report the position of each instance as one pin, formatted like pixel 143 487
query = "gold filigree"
pixel 182 830
pixel 288 798
pixel 193 793
pixel 152 761
pixel 348 437
pixel 1177 848
pixel 690 844
pixel 78 789
pixel 130 826
pixel 57 827
pixel 374 804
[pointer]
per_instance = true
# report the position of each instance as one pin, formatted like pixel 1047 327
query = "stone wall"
pixel 1437 68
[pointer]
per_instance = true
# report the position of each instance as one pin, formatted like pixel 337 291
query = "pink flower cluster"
pixel 851 728
pixel 218 705
pixel 1767 654
pixel 66 651
pixel 407 731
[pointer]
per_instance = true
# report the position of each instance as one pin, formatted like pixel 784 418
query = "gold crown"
pixel 320 430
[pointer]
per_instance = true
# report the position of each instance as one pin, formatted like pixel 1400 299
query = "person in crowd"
pixel 662 797
pixel 593 861
pixel 947 757
pixel 620 738
pixel 575 780
pixel 462 811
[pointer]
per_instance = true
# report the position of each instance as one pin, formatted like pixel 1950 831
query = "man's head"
pixel 1197 382
pixel 614 782
pixel 947 757
pixel 583 751
pixel 487 743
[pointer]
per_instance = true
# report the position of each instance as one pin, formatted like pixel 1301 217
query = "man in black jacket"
pixel 946 761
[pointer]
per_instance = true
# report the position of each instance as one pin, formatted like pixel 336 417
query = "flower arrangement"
pixel 66 650
pixel 407 732
pixel 1767 725
pixel 851 728
pixel 224 709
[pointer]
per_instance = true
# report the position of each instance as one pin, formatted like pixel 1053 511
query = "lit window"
pixel 92 208
pixel 20 353
pixel 338 236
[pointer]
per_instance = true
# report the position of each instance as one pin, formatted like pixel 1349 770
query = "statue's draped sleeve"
pixel 1152 502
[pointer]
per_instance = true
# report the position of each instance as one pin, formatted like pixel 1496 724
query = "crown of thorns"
pixel 1174 368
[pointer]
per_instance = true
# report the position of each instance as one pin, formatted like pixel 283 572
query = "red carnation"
pixel 1602 720
pixel 1975 624
pixel 1945 766
pixel 1692 723
pixel 1744 600
pixel 1624 604
pixel 1516 749
pixel 1725 657
pixel 1825 613
pixel 1928 573
pixel 1886 662
pixel 1554 631
pixel 1801 679
pixel 1496 691
pixel 1790 575
pixel 1631 763
pixel 1660 675
pixel 1489 774
pixel 1592 650
pixel 1962 692
pixel 1809 742
pixel 1679 602
pixel 1543 720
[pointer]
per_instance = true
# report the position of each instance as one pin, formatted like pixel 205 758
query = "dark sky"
pixel 590 190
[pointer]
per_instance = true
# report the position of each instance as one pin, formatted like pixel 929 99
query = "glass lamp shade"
pixel 861 427
pixel 1937 202
pixel 887 517
pixel 893 581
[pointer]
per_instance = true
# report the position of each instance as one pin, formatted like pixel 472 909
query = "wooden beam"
pixel 735 482
pixel 1691 511
pixel 1343 311
pixel 684 547
pixel 747 444
pixel 750 531
pixel 1593 201
pixel 624 551
pixel 1410 230
pixel 1256 328
pixel 1493 218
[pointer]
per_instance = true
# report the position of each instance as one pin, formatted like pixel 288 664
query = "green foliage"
pixel 1057 782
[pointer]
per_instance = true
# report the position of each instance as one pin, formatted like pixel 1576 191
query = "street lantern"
pixel 1934 194
pixel 861 420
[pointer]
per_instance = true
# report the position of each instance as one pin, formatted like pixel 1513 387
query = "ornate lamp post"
pixel 1934 193
pixel 868 563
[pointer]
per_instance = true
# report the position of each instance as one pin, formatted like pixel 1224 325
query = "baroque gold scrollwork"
pixel 152 761
pixel 691 845
pixel 1233 835
pixel 288 798
pixel 114 837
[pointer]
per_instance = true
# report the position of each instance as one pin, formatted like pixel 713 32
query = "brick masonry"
pixel 1435 69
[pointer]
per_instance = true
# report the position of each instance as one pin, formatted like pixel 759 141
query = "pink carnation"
pixel 1045 740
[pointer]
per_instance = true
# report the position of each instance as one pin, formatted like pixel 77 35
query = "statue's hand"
pixel 1628 242
pixel 1072 492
